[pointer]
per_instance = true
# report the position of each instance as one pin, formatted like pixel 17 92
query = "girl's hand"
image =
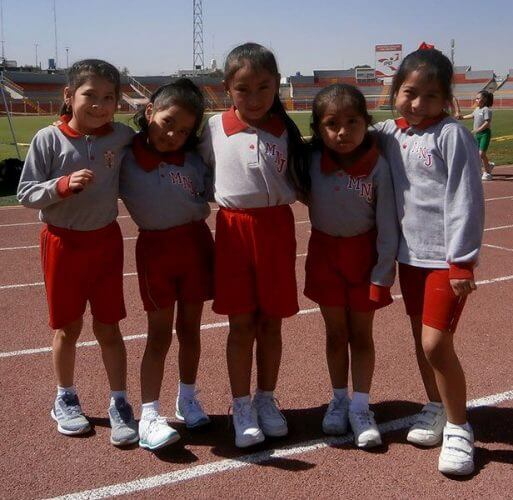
pixel 80 179
pixel 462 288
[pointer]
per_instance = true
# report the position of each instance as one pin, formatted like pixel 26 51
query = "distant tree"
pixel 125 71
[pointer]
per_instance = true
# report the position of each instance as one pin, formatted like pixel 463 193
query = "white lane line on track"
pixel 92 343
pixel 498 247
pixel 127 238
pixel 499 198
pixel 41 283
pixel 208 326
pixel 243 461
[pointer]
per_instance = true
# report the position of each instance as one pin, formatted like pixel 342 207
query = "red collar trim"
pixel 403 124
pixel 74 134
pixel 233 125
pixel 149 159
pixel 362 166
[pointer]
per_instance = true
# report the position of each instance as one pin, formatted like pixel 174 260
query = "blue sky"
pixel 155 36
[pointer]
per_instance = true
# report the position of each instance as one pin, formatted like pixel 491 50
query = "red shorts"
pixel 428 292
pixel 338 271
pixel 255 262
pixel 81 266
pixel 175 264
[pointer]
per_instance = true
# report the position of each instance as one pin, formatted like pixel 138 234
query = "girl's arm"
pixel 464 201
pixel 36 189
pixel 484 126
pixel 383 273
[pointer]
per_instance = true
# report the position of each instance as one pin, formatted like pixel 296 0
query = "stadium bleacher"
pixel 41 93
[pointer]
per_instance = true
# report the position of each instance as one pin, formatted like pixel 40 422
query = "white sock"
pixel 437 403
pixel 62 390
pixel 340 393
pixel 187 391
pixel 150 409
pixel 242 399
pixel 117 395
pixel 466 426
pixel 264 394
pixel 359 402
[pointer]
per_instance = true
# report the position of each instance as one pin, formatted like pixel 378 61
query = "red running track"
pixel 37 462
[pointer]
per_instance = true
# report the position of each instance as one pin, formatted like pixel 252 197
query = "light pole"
pixel 67 57
pixel 36 45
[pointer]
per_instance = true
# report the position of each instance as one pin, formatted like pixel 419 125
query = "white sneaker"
pixel 492 165
pixel 428 428
pixel 189 410
pixel 155 432
pixel 270 418
pixel 335 419
pixel 487 177
pixel 366 432
pixel 457 455
pixel 245 422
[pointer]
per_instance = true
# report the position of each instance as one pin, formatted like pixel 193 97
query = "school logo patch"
pixel 109 158
pixel 280 160
pixel 364 188
pixel 183 181
pixel 422 153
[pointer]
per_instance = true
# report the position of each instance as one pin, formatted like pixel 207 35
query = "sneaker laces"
pixel 192 403
pixel 72 403
pixel 364 418
pixel 243 412
pixel 124 411
pixel 337 406
pixel 269 406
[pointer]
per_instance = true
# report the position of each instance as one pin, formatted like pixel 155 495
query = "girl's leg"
pixel 268 356
pixel 239 352
pixel 337 338
pixel 426 371
pixel 335 420
pixel 160 332
pixel 63 352
pixel 486 163
pixel 188 322
pixel 439 350
pixel 268 352
pixel 113 353
pixel 362 350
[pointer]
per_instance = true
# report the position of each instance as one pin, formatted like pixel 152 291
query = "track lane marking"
pixel 220 466
pixel 127 238
pixel 497 247
pixel 208 326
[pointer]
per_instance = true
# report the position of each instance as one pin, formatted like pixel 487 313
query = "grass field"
pixel 501 148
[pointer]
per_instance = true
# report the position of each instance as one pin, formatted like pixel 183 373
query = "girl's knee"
pixel 438 349
pixel 336 338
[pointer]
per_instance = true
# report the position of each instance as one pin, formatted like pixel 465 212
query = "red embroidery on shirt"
pixel 364 188
pixel 279 159
pixel 183 181
pixel 109 158
pixel 422 153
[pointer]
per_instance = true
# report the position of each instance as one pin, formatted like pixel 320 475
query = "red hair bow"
pixel 425 46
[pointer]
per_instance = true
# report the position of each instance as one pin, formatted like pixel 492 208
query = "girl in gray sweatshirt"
pixel 439 200
pixel 350 265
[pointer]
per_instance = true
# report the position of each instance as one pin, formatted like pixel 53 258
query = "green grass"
pixel 501 151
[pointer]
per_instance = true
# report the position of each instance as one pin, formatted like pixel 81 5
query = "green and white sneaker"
pixel 69 416
pixel 155 432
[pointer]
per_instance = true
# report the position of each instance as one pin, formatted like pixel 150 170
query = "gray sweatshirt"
pixel 436 174
pixel 347 205
pixel 249 163
pixel 53 155
pixel 167 194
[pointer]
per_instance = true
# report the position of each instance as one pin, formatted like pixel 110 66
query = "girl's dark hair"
pixel 261 58
pixel 487 97
pixel 184 93
pixel 81 71
pixel 434 66
pixel 341 95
